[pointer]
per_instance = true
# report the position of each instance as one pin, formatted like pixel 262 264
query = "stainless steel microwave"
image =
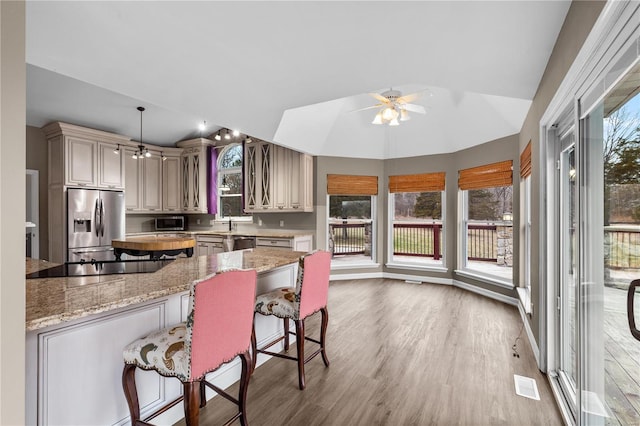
pixel 171 223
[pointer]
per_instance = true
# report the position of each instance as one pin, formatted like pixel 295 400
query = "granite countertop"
pixel 268 233
pixel 52 301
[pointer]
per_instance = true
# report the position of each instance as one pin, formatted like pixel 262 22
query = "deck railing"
pixel 622 249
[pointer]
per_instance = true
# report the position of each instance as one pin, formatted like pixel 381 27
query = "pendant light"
pixel 142 150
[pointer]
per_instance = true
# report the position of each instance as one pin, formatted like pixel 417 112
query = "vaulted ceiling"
pixel 291 72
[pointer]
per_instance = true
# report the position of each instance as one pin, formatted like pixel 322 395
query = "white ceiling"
pixel 291 72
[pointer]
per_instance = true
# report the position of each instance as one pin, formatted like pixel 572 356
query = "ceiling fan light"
pixel 389 114
pixel 135 155
pixel 394 122
pixel 404 115
pixel 147 153
pixel 377 119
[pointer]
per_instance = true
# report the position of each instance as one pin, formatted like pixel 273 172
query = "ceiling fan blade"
pixel 366 108
pixel 414 108
pixel 380 98
pixel 412 96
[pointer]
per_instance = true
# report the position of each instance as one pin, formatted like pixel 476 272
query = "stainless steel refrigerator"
pixel 94 218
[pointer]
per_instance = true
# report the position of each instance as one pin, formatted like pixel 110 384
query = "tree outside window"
pixel 230 185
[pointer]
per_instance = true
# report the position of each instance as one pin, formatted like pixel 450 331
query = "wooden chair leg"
pixel 203 394
pixel 130 391
pixel 245 360
pixel 191 402
pixel 300 346
pixel 323 335
pixel 286 334
pixel 254 349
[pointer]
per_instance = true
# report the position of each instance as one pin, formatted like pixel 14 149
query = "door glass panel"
pixel 568 268
pixel 610 257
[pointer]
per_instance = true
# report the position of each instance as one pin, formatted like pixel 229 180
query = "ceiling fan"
pixel 393 106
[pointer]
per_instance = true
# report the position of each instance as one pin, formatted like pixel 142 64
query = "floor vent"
pixel 527 387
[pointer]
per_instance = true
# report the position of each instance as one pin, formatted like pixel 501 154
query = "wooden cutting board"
pixel 153 243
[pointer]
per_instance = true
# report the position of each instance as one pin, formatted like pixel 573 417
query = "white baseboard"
pixel 488 293
pixel 532 340
pixel 363 276
pixel 418 278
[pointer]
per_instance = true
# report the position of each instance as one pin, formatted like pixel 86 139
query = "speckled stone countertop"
pixel 52 301
pixel 267 233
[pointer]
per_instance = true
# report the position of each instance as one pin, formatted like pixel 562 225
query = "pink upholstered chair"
pixel 218 329
pixel 308 297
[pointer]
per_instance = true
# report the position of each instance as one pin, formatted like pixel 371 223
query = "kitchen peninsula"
pixel 77 327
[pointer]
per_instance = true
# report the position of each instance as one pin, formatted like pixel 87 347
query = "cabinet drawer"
pixel 209 239
pixel 274 242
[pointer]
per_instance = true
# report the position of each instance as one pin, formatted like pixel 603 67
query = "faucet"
pixel 227 208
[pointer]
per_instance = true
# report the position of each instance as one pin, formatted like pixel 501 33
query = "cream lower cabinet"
pixel 209 244
pixel 298 243
pixel 143 182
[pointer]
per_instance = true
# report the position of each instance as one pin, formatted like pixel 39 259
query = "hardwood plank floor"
pixel 402 354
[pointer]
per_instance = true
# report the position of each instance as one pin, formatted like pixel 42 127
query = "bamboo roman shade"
pixel 422 182
pixel 525 161
pixel 352 185
pixel 487 176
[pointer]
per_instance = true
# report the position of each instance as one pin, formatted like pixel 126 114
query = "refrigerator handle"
pixel 101 218
pixel 96 214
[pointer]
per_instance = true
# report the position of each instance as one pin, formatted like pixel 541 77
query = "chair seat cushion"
pixel 282 302
pixel 163 351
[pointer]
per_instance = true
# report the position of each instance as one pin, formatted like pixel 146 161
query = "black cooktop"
pixel 107 267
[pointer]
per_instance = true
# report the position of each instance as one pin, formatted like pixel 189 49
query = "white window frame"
pixel 524 290
pixel 463 269
pixel 359 263
pixel 221 173
pixel 408 264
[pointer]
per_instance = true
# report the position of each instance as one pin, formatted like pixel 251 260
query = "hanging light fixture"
pixel 117 150
pixel 227 135
pixel 162 156
pixel 236 133
pixel 142 150
pixel 217 136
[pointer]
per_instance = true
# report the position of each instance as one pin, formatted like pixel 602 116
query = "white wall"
pixel 12 211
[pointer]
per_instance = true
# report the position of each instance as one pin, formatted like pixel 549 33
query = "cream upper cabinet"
pixel 277 179
pixel 84 157
pixel 81 162
pixel 110 166
pixel 171 181
pixel 152 182
pixel 193 171
pixel 132 195
pixel 143 182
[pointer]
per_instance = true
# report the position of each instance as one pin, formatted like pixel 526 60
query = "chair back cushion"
pixel 220 320
pixel 313 283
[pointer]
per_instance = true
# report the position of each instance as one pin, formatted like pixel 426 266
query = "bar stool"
pixel 308 297
pixel 218 328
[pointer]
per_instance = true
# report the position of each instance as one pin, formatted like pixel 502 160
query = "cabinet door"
pixel 282 175
pixel 306 180
pixel 171 184
pixel 296 180
pixel 185 178
pixel 250 187
pixel 81 162
pixel 110 169
pixel 266 176
pixel 152 182
pixel 132 195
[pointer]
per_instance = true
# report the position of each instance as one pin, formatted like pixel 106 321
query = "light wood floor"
pixel 402 354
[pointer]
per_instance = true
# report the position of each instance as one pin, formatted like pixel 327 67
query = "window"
pixel 524 290
pixel 415 216
pixel 351 219
pixel 229 180
pixel 486 234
